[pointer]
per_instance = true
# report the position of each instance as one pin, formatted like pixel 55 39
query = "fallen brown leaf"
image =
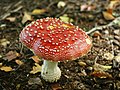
pixel 108 16
pixel 97 34
pixel 1 64
pixel 56 86
pixel 11 55
pixel 37 68
pixel 19 62
pixel 101 74
pixel 38 11
pixel 113 3
pixel 36 59
pixel 26 17
pixel 11 19
pixel 110 11
pixel 6 68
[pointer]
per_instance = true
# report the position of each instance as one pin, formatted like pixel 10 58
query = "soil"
pixel 86 73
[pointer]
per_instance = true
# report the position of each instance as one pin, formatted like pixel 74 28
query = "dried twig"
pixel 17 7
pixel 115 22
pixel 65 9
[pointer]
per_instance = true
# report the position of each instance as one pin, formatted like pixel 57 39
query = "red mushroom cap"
pixel 52 39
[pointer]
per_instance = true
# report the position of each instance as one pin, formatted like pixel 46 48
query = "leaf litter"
pixel 11 55
pixel 37 68
pixel 80 71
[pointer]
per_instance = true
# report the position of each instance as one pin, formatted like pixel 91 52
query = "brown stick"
pixel 115 22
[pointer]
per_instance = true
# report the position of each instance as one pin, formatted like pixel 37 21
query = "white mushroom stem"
pixel 50 71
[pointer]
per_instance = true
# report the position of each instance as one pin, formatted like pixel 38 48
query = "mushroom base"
pixel 50 71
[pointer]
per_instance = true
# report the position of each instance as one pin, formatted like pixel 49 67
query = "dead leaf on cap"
pixel 108 16
pixel 37 68
pixel 38 11
pixel 11 55
pixel 6 68
pixel 26 17
pixel 101 74
pixel 19 62
pixel 36 59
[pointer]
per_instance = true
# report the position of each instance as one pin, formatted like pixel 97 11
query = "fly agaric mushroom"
pixel 54 41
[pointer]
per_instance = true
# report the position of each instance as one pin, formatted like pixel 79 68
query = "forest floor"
pixel 98 70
